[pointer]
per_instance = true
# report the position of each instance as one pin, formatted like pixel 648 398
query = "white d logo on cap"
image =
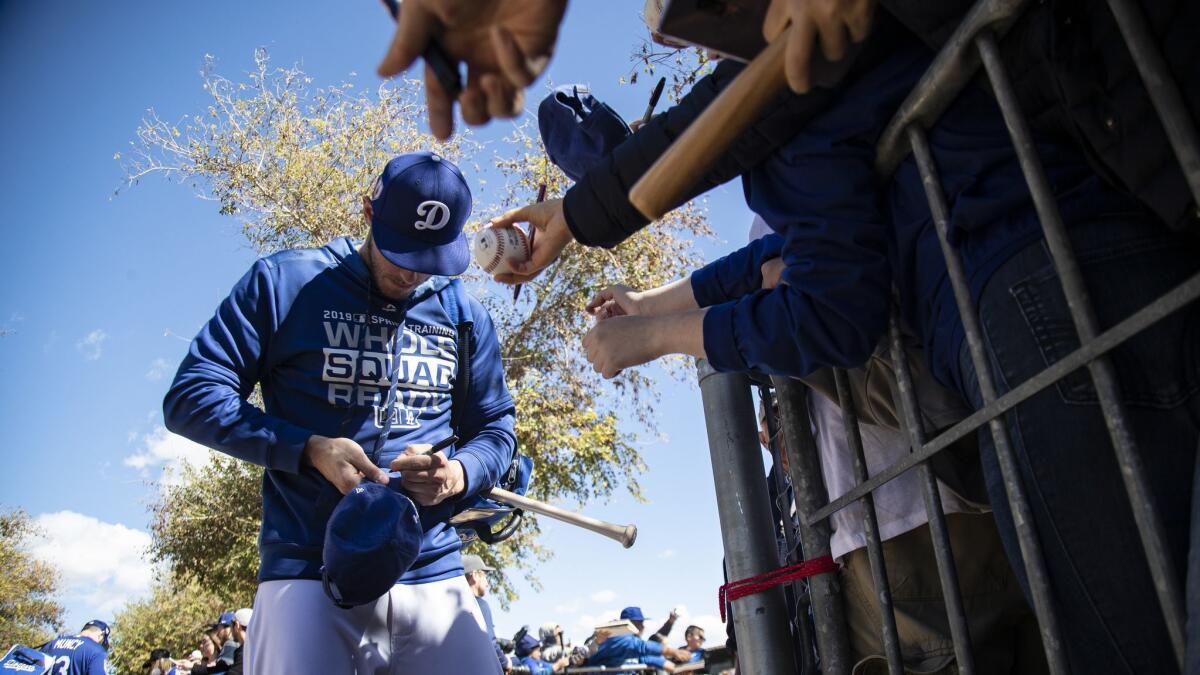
pixel 436 215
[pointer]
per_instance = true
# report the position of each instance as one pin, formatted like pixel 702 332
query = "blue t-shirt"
pixel 75 655
pixel 307 325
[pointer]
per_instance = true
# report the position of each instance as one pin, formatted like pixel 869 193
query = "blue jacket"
pixel 536 666
pixel 75 655
pixel 845 240
pixel 304 325
pixel 617 650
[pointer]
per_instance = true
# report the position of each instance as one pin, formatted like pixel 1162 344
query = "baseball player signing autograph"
pixel 368 354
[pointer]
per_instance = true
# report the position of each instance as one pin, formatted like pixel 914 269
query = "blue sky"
pixel 96 291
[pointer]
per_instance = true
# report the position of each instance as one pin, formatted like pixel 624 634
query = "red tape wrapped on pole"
pixel 761 582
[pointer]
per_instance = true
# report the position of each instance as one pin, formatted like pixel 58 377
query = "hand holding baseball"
pixel 552 237
pixel 497 249
pixel 429 479
pixel 342 462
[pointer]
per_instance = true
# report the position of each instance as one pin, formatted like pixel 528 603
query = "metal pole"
pixel 883 591
pixel 794 552
pixel 764 645
pixel 804 467
pixel 906 402
pixel 1104 377
pixel 1031 549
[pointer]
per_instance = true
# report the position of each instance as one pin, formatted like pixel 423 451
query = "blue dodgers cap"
pixel 526 645
pixel 103 628
pixel 373 537
pixel 419 204
pixel 226 619
pixel 578 130
pixel 633 614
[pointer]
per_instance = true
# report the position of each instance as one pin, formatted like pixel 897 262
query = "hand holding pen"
pixel 426 475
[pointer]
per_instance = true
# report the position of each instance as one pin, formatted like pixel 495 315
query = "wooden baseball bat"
pixel 663 186
pixel 624 534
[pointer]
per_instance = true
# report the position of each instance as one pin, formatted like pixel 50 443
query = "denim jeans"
pixel 1107 608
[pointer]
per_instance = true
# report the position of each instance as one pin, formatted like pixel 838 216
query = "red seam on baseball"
pixel 498 256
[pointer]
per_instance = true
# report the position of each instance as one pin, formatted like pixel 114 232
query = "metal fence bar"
pixel 1183 294
pixel 1145 512
pixel 794 553
pixel 955 64
pixel 804 467
pixel 745 514
pixel 1031 550
pixel 1163 90
pixel 883 591
pixel 905 396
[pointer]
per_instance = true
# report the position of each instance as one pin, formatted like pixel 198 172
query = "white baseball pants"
pixel 413 630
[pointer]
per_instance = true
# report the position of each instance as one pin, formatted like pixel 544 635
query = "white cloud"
pixel 587 623
pixel 603 596
pixel 567 607
pixel 103 565
pixel 171 451
pixel 158 369
pixel 92 344
pixel 667 553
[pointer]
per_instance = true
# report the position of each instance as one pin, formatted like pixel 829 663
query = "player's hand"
pixel 679 655
pixel 506 44
pixel 831 23
pixel 429 479
pixel 621 342
pixel 772 273
pixel 561 664
pixel 342 462
pixel 618 300
pixel 552 237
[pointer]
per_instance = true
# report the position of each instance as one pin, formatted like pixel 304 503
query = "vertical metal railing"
pixel 808 486
pixel 974 44
pixel 793 551
pixel 1031 549
pixel 1103 374
pixel 760 620
pixel 883 590
pixel 905 396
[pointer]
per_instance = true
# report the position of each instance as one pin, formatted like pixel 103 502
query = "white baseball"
pixel 496 249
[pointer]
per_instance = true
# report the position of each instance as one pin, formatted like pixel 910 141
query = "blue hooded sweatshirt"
pixel 845 239
pixel 305 324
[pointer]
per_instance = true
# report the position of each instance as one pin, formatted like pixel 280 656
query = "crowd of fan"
pixel 219 649
pixel 613 644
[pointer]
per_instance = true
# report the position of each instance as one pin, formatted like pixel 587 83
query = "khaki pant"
pixel 1004 633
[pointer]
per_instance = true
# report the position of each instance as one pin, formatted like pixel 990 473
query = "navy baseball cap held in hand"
pixel 526 645
pixel 373 537
pixel 578 130
pixel 419 205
